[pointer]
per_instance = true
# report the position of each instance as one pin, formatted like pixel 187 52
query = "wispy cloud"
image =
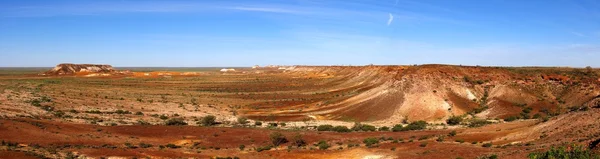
pixel 267 9
pixel 390 20
pixel 578 34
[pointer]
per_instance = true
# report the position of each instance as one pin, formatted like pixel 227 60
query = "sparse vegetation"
pixel 208 120
pixel 176 121
pixel 572 151
pixel 370 142
pixel 277 138
pixel 454 120
pixel 323 145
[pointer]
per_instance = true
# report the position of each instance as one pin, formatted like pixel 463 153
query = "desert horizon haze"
pixel 300 79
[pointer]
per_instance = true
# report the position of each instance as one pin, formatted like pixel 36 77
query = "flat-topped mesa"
pixel 73 69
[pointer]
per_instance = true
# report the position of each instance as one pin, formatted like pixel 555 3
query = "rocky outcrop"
pixel 73 69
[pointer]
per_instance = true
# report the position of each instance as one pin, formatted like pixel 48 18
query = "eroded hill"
pixel 390 94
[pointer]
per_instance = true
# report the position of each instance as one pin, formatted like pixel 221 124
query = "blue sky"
pixel 207 33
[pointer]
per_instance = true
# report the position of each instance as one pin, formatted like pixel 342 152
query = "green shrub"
pixel 384 128
pixel 417 125
pixel 487 145
pixel 242 147
pixel 208 120
pixel 460 140
pixel 454 120
pixel 242 120
pixel 478 123
pixel 452 133
pixel 145 145
pixel 511 118
pixel 574 152
pixel 264 148
pixel 324 128
pixel 423 137
pixel 59 114
pixel 423 144
pixel 341 129
pixel 397 127
pixel 363 127
pixel 122 112
pixel 173 146
pixel 323 145
pixel 163 117
pixel 277 138
pixel 366 127
pixel 258 123
pixel 440 139
pixel 298 141
pixel 175 122
pixel 369 142
pixel 493 156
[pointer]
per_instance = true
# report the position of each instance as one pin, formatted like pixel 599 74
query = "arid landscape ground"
pixel 363 112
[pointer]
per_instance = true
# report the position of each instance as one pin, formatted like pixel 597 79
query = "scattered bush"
pixel 242 120
pixel 385 128
pixel 487 145
pixel 265 148
pixel 145 145
pixel 423 144
pixel 478 123
pixel 397 128
pixel 440 139
pixel 454 120
pixel 573 151
pixel 242 147
pixel 452 133
pixel 363 127
pixel 323 145
pixel 298 141
pixel 369 142
pixel 417 125
pixel 175 122
pixel 341 129
pixel 493 156
pixel 122 112
pixel 59 114
pixel 277 138
pixel 173 146
pixel 208 120
pixel 511 118
pixel 324 128
pixel 258 123
pixel 163 117
pixel 139 113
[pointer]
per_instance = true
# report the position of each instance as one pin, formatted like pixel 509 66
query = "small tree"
pixel 277 138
